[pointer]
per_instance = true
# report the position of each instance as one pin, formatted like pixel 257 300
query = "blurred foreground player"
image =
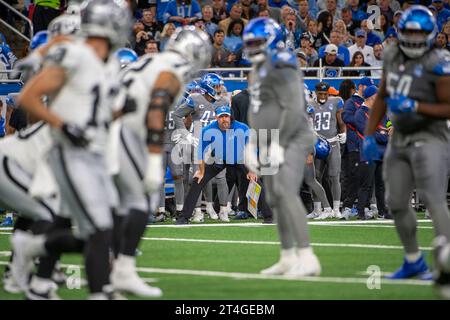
pixel 415 91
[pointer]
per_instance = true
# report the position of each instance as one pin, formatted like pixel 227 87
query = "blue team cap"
pixel 360 33
pixel 370 91
pixel 366 82
pixel 223 110
pixel 391 33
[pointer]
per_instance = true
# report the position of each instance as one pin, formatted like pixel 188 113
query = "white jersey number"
pixel 322 121
pixel 398 85
pixel 207 118
pixel 170 121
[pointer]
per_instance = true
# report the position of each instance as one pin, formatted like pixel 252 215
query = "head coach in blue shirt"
pixel 222 145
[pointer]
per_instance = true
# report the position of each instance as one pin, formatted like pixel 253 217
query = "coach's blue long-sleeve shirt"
pixel 348 116
pixel 227 146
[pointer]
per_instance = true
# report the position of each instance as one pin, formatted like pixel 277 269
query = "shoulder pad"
pixel 284 58
pixel 65 55
pixel 440 61
pixel 339 102
pixel 190 102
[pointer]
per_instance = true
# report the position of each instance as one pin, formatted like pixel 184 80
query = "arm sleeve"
pixel 340 104
pixel 182 111
pixel 349 113
pixel 196 11
pixel 171 10
pixel 64 56
pixel 360 122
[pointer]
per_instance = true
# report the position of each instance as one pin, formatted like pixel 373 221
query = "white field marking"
pixel 240 276
pixel 368 226
pixel 260 224
pixel 334 245
pixel 6 233
pixel 341 245
pixel 5 253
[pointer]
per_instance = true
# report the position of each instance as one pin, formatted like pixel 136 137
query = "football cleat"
pixel 125 278
pixel 286 263
pixel 182 220
pixel 41 289
pixel 326 213
pixel 198 216
pixel 312 215
pixel 410 270
pixel 212 213
pixel 241 215
pixel 223 216
pixel 306 265
pixel 346 214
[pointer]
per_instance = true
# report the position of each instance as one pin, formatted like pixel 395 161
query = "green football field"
pixel 222 261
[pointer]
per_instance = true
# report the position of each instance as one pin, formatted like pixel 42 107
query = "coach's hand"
pixel 370 150
pixel 75 134
pixel 252 176
pixel 401 104
pixel 154 175
pixel 199 175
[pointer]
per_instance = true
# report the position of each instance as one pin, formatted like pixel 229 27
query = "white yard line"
pixel 240 276
pixel 5 253
pixel 314 244
pixel 338 245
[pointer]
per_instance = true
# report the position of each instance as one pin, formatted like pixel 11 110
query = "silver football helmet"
pixel 193 44
pixel 110 19
pixel 65 24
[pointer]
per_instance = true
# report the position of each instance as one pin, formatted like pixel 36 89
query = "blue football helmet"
pixel 261 36
pixel 39 39
pixel 211 84
pixel 417 30
pixel 322 148
pixel 126 56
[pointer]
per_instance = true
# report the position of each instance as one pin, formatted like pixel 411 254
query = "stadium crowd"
pixel 330 33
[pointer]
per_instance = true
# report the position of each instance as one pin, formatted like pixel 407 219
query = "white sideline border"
pixel 260 224
pixel 257 276
pixel 314 244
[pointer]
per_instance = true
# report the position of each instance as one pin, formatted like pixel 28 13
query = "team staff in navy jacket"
pixel 351 157
pixel 371 172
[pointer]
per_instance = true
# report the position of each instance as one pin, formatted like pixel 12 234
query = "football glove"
pixel 401 104
pixel 342 137
pixel 251 158
pixel 276 155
